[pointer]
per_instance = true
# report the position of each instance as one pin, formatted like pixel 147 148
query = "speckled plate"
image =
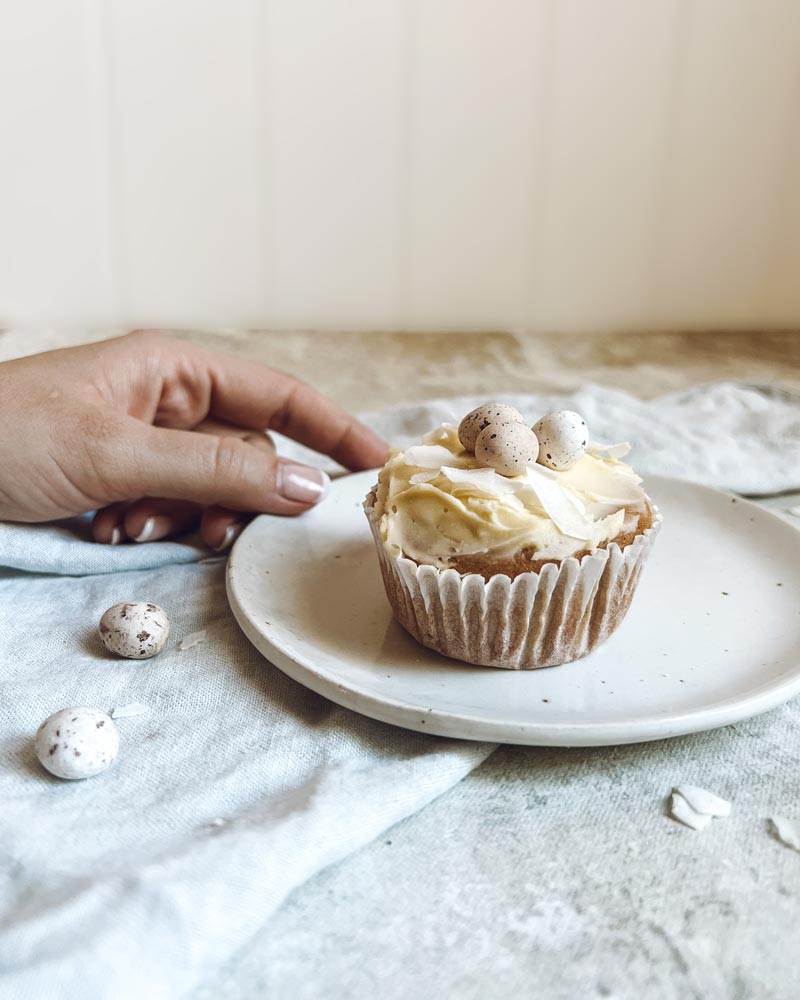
pixel 712 637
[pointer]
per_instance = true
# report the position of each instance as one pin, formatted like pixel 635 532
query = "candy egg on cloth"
pixel 135 629
pixel 563 436
pixel 480 418
pixel 508 448
pixel 77 742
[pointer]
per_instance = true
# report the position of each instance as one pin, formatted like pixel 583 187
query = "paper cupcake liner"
pixel 535 620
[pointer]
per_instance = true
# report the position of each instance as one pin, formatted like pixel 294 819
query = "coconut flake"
pixel 787 831
pixel 681 811
pixel 439 435
pixel 434 456
pixel 536 485
pixel 192 639
pixel 704 802
pixel 423 477
pixel 600 511
pixel 125 711
pixel 484 480
pixel 604 482
pixel 555 501
pixel 612 451
pixel 576 502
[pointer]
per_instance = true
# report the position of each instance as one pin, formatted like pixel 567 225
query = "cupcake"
pixel 509 546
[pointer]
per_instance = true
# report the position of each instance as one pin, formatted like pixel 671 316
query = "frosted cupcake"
pixel 510 546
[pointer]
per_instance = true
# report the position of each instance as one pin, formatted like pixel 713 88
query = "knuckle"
pixel 146 338
pixel 232 461
pixel 183 402
pixel 297 397
pixel 260 439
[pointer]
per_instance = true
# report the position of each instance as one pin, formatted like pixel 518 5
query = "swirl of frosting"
pixel 435 502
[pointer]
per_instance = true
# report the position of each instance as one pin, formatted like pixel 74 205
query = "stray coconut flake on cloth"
pixel 704 802
pixel 125 711
pixel 681 811
pixel 787 831
pixel 695 807
pixel 192 639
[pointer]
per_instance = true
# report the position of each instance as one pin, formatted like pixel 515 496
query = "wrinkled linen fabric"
pixel 239 784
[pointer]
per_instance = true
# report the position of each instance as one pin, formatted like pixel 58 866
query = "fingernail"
pixel 232 532
pixel 146 533
pixel 301 484
pixel 116 537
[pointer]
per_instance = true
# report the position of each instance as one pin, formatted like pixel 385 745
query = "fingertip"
pixel 232 532
pixel 361 449
pixel 301 484
pixel 107 526
pixel 219 528
pixel 151 520
pixel 376 454
pixel 146 531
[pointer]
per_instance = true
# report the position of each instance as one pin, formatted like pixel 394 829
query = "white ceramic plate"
pixel 712 636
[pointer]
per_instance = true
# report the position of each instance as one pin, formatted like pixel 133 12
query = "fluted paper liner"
pixel 535 620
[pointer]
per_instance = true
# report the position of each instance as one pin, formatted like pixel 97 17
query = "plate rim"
pixel 441 722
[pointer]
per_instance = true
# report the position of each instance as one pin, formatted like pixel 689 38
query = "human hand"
pixel 158 436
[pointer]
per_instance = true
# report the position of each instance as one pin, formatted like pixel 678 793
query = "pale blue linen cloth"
pixel 239 784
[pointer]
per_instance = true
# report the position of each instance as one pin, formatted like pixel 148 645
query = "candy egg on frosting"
pixel 563 436
pixel 508 447
pixel 480 418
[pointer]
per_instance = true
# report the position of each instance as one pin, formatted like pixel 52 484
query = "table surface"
pixel 472 897
pixel 365 371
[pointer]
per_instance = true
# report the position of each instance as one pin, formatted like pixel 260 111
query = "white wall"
pixel 400 163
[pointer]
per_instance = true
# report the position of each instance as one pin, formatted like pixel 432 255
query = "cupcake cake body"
pixel 522 570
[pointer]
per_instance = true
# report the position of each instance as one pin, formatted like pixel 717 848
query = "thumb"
pixel 221 471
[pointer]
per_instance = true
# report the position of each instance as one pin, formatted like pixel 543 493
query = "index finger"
pixel 252 395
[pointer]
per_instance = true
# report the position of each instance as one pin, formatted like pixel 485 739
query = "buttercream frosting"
pixel 436 502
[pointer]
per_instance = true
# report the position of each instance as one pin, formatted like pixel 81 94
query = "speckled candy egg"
pixel 479 419
pixel 508 448
pixel 563 436
pixel 77 742
pixel 135 629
